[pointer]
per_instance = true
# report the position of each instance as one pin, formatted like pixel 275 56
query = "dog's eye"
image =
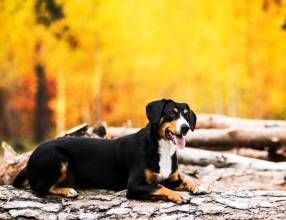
pixel 172 113
pixel 186 114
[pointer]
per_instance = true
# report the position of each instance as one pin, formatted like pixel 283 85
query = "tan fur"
pixel 174 176
pixel 167 125
pixel 63 191
pixel 64 168
pixel 188 186
pixel 150 176
pixel 168 194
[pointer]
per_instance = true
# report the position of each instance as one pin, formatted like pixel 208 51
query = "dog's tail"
pixel 20 178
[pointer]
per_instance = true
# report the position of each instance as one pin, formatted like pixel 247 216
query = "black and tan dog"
pixel 145 162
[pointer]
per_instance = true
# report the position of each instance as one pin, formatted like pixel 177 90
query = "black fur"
pixel 154 110
pixel 20 178
pixel 108 164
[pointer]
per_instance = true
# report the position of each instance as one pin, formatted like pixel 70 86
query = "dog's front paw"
pixel 189 186
pixel 194 188
pixel 201 190
pixel 71 193
pixel 179 197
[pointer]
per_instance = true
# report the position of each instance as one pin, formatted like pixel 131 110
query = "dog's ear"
pixel 192 119
pixel 154 110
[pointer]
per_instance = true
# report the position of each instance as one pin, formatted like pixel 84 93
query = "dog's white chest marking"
pixel 166 151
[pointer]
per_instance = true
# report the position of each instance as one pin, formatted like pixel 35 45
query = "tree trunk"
pixel 98 74
pixel 5 115
pixel 42 112
pixel 61 103
pixel 97 204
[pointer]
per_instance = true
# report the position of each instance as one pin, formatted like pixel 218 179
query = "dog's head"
pixel 172 119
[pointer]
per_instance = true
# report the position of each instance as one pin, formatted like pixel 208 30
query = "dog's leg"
pixel 157 192
pixel 177 183
pixel 168 194
pixel 140 187
pixel 62 191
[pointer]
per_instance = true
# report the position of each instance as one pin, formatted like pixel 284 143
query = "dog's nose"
pixel 184 129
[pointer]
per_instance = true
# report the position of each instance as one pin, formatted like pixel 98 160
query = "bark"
pixel 204 158
pixel 222 121
pixel 96 204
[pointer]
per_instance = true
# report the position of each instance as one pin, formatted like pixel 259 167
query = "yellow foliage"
pixel 109 58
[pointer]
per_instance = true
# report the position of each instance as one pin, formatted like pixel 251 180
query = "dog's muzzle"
pixel 184 129
pixel 178 139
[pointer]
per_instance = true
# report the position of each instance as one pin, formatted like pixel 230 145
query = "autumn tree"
pixel 105 56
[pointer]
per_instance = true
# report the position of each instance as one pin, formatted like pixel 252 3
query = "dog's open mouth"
pixel 178 139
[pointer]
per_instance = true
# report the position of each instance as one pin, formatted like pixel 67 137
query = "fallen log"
pixel 237 137
pixel 232 178
pixel 224 139
pixel 97 204
pixel 222 160
pixel 208 121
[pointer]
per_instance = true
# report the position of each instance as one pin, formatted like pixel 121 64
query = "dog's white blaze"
pixel 166 151
pixel 179 123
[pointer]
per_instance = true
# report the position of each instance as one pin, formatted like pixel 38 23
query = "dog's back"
pixel 80 162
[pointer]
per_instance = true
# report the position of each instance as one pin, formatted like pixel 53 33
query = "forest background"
pixel 64 62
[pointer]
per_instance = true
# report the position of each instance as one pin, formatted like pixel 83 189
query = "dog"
pixel 145 162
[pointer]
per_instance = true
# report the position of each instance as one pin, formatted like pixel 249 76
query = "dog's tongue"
pixel 180 142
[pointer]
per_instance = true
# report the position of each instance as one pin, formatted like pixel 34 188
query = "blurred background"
pixel 65 62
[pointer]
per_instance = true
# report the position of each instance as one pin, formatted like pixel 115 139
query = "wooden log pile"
pixel 218 132
pixel 225 138
pixel 222 160
pixel 242 187
pixel 214 132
